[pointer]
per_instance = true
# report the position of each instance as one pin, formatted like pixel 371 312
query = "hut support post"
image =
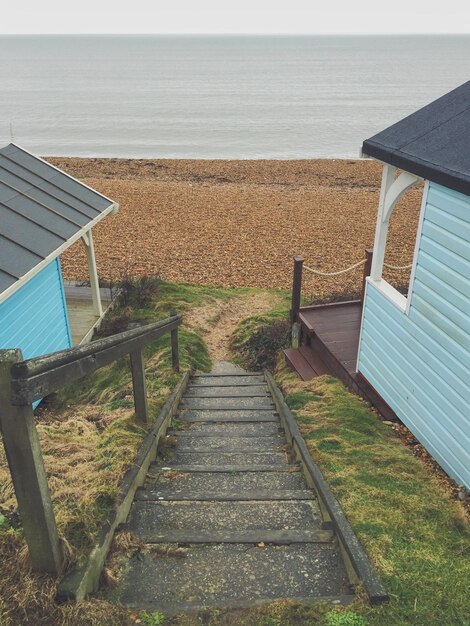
pixel 94 282
pixel 367 268
pixel 26 465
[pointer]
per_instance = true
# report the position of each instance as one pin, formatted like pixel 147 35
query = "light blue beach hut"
pixel 43 211
pixel 415 349
pixel 410 354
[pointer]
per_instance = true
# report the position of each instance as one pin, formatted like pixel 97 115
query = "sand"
pixel 239 223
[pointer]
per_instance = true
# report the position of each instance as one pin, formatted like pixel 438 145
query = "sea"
pixel 217 97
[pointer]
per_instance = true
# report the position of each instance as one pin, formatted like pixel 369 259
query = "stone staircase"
pixel 226 517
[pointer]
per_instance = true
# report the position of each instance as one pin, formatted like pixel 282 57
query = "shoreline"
pixel 238 223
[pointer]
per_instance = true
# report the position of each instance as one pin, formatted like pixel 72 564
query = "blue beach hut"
pixel 415 349
pixel 43 211
pixel 409 354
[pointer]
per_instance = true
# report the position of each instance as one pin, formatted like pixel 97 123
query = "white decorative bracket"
pixel 391 191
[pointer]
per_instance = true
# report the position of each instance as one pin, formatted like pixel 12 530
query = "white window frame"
pixel 392 190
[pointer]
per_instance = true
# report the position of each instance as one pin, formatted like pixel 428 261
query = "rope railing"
pixel 299 266
pixel 347 269
pixel 398 268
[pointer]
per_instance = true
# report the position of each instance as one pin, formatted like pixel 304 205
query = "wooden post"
pixel 26 465
pixel 175 357
pixel 367 269
pixel 296 288
pixel 94 282
pixel 139 386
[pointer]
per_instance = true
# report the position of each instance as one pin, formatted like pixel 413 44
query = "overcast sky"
pixel 235 16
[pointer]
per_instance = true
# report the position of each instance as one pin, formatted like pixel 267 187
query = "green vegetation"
pixel 416 537
pixel 257 340
pixel 152 619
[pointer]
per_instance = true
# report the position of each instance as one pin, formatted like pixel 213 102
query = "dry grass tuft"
pixel 86 452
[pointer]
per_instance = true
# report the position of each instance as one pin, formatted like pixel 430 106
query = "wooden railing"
pixel 23 382
pixel 297 280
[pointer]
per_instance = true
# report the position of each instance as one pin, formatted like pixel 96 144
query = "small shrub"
pixel 113 324
pixel 259 349
pixel 152 619
pixel 344 618
pixel 137 292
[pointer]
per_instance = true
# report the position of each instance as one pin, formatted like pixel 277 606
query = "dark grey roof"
pixel 433 143
pixel 41 210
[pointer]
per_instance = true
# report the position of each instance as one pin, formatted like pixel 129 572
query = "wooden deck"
pixel 329 345
pixel 80 309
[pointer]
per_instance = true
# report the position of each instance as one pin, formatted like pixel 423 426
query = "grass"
pixel 414 534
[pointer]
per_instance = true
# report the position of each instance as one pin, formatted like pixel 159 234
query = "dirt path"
pixel 219 319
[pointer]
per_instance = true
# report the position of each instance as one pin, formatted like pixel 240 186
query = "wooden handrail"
pixel 22 382
pixel 35 378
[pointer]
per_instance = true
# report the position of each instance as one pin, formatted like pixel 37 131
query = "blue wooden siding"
pixel 34 318
pixel 420 362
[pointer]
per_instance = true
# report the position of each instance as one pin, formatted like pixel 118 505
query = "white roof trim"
pixel 113 208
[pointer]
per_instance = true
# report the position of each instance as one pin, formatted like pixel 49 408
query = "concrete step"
pixel 228 458
pixel 246 467
pixel 220 483
pixel 247 415
pixel 261 535
pixel 149 518
pixel 224 381
pixel 235 429
pixel 230 404
pixel 233 372
pixel 145 494
pixel 232 575
pixel 253 391
pixel 228 444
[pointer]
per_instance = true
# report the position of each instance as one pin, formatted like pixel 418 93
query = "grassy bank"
pixel 414 534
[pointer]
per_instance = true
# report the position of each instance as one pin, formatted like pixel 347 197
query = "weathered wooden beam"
pixel 139 386
pixel 26 465
pixel 175 357
pixel 41 364
pixel 355 559
pixel 39 377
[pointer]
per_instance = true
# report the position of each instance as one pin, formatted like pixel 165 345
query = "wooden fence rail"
pixel 22 382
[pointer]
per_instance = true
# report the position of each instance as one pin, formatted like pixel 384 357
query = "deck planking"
pixel 338 328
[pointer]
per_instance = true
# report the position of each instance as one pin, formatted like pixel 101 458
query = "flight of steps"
pixel 228 520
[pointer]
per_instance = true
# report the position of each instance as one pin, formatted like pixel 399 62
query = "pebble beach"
pixel 239 223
